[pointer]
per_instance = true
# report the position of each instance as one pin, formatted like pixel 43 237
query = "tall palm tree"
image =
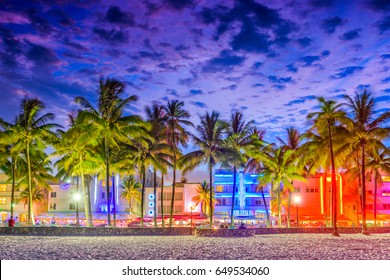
pixel 239 134
pixel 210 141
pixel 131 190
pixel 329 115
pixel 110 124
pixel 32 129
pixel 367 133
pixel 176 121
pixel 37 196
pixel 77 157
pixel 203 197
pixel 156 116
pixel 378 161
pixel 279 169
pixel 293 143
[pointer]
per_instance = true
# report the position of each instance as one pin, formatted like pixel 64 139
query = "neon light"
pixel 151 196
pixel 322 195
pixel 151 204
pixel 222 175
pixel 65 186
pixel 151 212
pixel 117 186
pixel 241 191
pixel 246 195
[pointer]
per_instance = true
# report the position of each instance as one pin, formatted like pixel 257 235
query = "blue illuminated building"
pixel 249 202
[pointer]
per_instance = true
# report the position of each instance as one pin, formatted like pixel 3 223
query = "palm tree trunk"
pixel 279 209
pixel 87 219
pixel 364 214
pixel 89 203
pixel 143 195
pixel 375 194
pixel 13 186
pixel 174 174
pixel 211 193
pixel 77 203
pixel 289 209
pixel 30 200
pixel 265 206
pixel 162 200
pixel 106 150
pixel 113 198
pixel 233 195
pixel 154 197
pixel 334 190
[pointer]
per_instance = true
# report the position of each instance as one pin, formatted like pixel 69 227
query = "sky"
pixel 267 59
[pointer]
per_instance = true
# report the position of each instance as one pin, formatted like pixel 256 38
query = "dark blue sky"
pixel 269 59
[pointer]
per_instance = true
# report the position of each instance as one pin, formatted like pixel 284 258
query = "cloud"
pixel 309 59
pixel 379 5
pixel 330 24
pixel 291 68
pixel 351 35
pixel 251 41
pixel 347 71
pixel 111 36
pixel 199 104
pixel 196 91
pixel 383 25
pixel 301 100
pixel 385 56
pixel 304 42
pixel 179 4
pixel 281 80
pixel 226 61
pixel 385 80
pixel 41 55
pixel 116 15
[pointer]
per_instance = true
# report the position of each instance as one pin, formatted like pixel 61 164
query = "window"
pixel 72 206
pixel 3 188
pixel 167 196
pixel 53 206
pixel 221 201
pixel 386 193
pixel 369 206
pixel 53 194
pixel 219 188
pixel 386 206
pixel 178 209
pixel 354 207
pixel 258 202
pixel 369 192
pixel 297 189
pixel 179 196
pixel 312 190
pixel 103 195
pixel 3 200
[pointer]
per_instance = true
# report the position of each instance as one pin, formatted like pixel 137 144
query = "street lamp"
pixel 77 198
pixel 297 199
pixel 192 207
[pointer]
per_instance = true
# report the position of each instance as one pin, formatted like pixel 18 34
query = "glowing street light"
pixel 297 199
pixel 192 208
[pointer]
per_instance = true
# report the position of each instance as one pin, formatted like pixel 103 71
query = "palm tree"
pixel 366 133
pixel 78 158
pixel 131 190
pixel 279 169
pixel 239 134
pixel 379 160
pixel 324 120
pixel 176 121
pixel 212 150
pixel 293 143
pixel 37 196
pixel 203 198
pixel 110 126
pixel 10 158
pixel 32 129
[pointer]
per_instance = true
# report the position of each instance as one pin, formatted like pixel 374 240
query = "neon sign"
pixel 65 186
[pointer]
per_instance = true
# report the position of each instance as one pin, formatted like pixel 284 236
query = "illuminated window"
pixel 53 194
pixel 3 188
pixel 53 206
pixel 219 188
pixel 3 200
pixel 386 193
